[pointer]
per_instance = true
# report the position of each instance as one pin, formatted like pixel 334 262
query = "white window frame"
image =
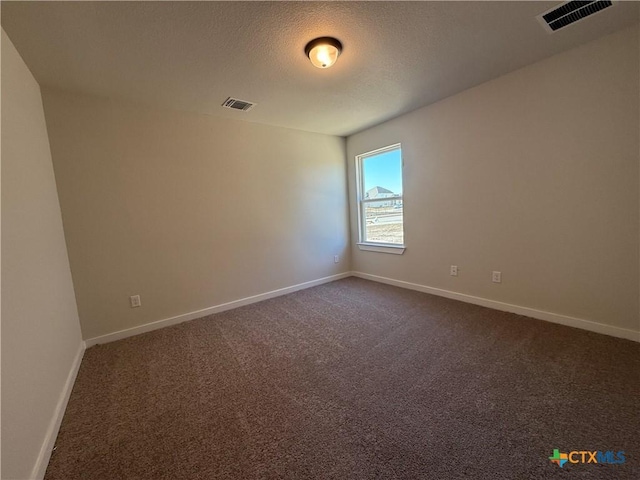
pixel 380 247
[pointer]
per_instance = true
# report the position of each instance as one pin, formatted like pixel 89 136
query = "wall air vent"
pixel 236 104
pixel 571 12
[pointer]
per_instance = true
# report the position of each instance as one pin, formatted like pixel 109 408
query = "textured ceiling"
pixel 397 56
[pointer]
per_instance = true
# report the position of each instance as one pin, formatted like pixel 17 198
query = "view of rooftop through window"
pixel 381 197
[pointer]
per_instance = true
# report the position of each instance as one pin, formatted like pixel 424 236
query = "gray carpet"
pixel 353 380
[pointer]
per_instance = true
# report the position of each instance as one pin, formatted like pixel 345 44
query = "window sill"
pixel 375 247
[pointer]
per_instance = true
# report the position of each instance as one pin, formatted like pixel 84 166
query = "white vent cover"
pixel 236 104
pixel 571 12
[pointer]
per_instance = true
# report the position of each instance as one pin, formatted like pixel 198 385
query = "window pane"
pixel 383 221
pixel 382 174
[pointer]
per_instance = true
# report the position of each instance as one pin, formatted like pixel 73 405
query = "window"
pixel 380 205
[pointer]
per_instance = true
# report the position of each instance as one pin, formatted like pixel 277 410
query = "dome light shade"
pixel 323 52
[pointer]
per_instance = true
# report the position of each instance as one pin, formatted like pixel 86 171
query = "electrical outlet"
pixel 135 301
pixel 496 277
pixel 336 259
pixel 454 271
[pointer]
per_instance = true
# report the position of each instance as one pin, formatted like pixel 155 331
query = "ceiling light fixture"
pixel 323 52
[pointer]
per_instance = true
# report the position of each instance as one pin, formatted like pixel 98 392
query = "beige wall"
pixel 534 174
pixel 190 211
pixel 40 329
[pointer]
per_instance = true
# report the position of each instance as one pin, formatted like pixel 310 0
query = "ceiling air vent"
pixel 570 12
pixel 236 104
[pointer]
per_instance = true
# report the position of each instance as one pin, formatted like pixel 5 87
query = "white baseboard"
pixel 42 461
pixel 507 307
pixel 148 327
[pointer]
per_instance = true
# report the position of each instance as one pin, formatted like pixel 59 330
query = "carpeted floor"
pixel 353 380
